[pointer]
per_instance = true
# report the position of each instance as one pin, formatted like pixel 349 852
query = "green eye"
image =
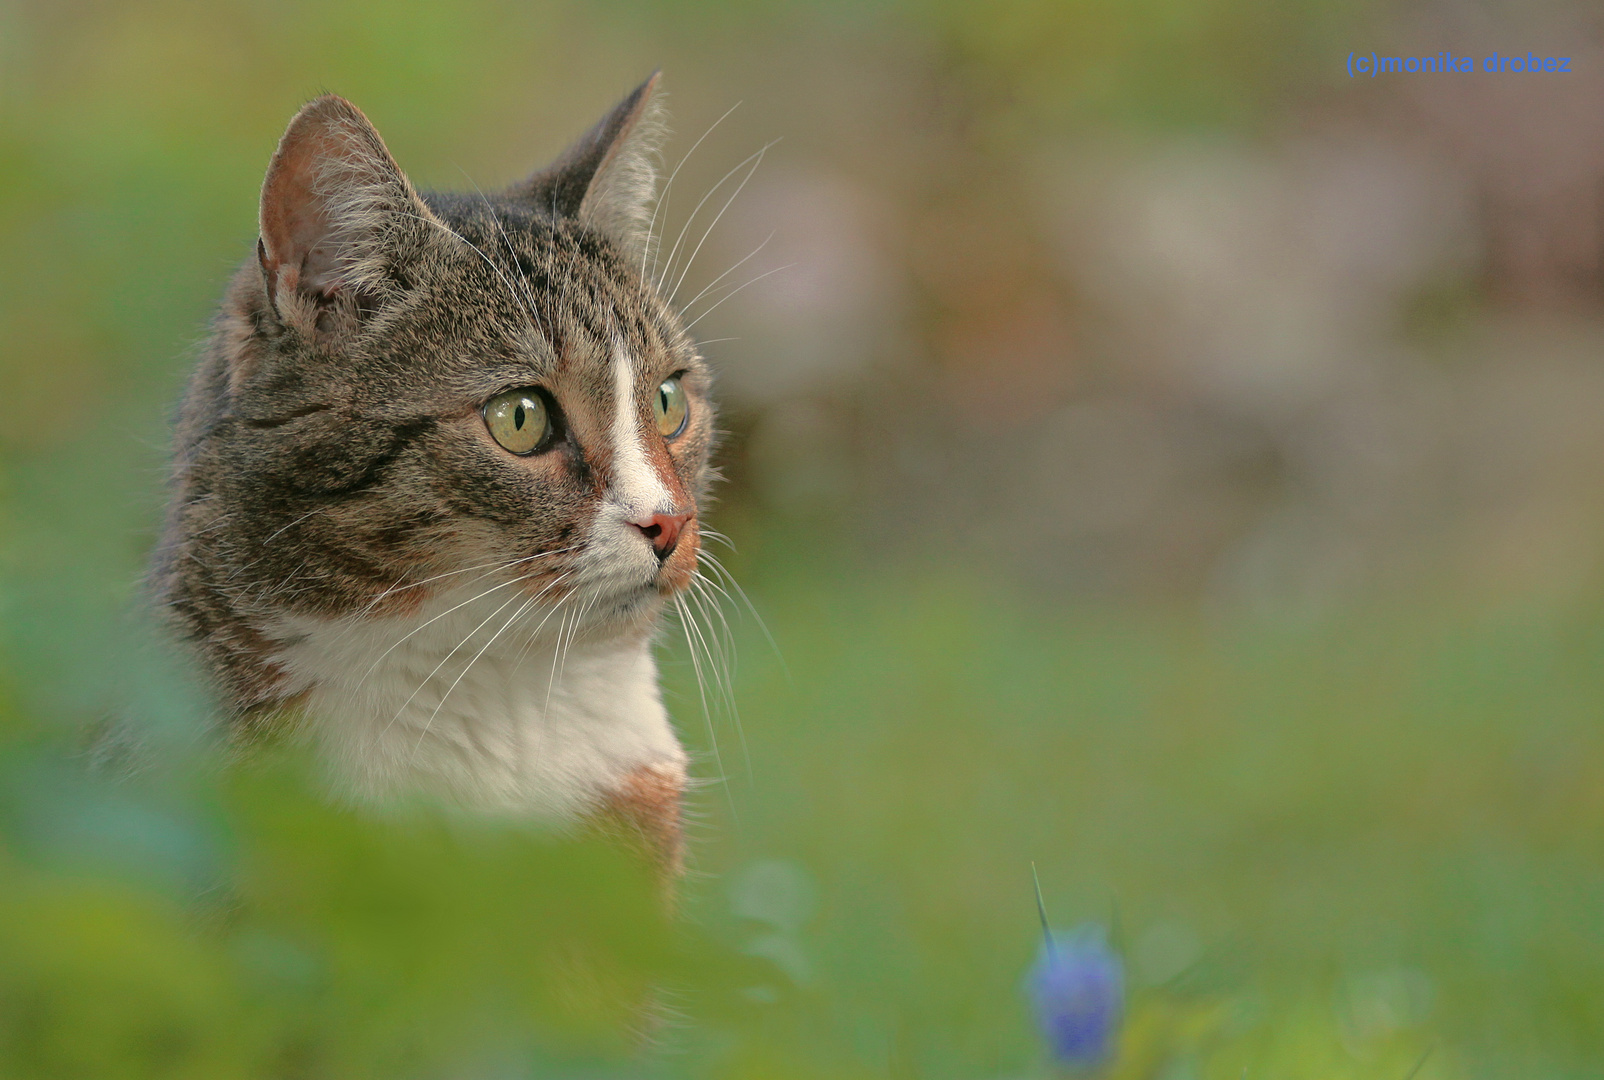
pixel 517 420
pixel 670 407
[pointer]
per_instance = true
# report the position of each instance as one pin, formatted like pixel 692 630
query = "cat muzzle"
pixel 663 531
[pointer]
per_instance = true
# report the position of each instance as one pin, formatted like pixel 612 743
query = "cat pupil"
pixel 518 418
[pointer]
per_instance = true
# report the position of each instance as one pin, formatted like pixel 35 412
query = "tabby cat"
pixel 437 476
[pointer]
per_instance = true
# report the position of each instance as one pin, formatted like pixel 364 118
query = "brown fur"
pixel 330 453
pixel 645 811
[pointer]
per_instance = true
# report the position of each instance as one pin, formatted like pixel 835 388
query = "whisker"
pixel 716 659
pixel 427 724
pixel 291 525
pixel 668 270
pixel 534 635
pixel 454 607
pixel 662 200
pixel 701 583
pixel 573 635
pixel 467 638
pixel 727 658
pixel 495 218
pixel 559 652
pixel 691 261
pixel 466 569
pixel 721 664
pixel 686 623
pixel 720 569
pixel 427 678
pixel 714 283
pixel 562 629
pixel 732 292
pixel 513 292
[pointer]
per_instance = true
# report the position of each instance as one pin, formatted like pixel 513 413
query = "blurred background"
pixel 1153 453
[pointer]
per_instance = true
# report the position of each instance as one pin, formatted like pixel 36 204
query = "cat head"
pixel 409 390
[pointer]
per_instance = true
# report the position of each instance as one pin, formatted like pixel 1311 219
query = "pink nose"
pixel 663 531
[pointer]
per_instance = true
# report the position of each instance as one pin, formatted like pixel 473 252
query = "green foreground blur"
pixel 1325 851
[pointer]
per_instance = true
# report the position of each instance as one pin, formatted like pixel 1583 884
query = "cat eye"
pixel 671 408
pixel 518 420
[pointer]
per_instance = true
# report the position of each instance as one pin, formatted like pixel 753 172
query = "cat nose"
pixel 663 531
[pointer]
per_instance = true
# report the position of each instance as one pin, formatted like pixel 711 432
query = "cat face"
pixel 408 393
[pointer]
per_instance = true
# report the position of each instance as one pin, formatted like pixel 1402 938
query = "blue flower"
pixel 1077 987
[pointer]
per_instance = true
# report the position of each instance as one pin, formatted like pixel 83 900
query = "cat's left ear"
pixel 337 215
pixel 607 179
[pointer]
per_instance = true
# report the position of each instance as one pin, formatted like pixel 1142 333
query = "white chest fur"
pixel 496 716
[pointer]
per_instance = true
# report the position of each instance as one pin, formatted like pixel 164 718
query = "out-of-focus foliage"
pixel 1253 416
pixel 309 941
pixel 1324 851
pixel 1325 848
pixel 1148 64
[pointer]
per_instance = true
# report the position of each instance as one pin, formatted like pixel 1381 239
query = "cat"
pixel 438 473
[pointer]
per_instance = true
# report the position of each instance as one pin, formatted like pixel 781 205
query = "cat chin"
pixel 638 598
pixel 676 574
pixel 635 609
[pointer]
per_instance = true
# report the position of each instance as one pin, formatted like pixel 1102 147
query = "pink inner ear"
pixel 329 154
pixel 295 218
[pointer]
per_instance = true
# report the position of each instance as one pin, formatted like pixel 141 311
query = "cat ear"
pixel 608 178
pixel 336 211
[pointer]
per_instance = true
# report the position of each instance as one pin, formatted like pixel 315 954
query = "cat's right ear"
pixel 607 179
pixel 337 212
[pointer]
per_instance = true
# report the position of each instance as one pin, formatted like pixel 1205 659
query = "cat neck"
pixel 438 703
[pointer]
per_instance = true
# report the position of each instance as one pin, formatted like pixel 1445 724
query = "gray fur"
pixel 330 454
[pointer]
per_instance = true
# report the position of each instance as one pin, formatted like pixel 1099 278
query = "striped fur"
pixel 345 541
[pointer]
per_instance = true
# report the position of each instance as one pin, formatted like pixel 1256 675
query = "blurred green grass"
pixel 1325 849
pixel 1386 820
